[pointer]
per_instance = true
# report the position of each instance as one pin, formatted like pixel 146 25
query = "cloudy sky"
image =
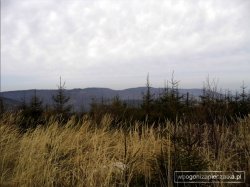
pixel 115 43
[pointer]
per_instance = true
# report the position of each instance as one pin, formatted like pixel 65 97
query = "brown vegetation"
pixel 82 152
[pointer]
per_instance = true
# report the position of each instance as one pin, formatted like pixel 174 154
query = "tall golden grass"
pixel 82 153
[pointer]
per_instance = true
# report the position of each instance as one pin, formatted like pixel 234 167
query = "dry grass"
pixel 80 154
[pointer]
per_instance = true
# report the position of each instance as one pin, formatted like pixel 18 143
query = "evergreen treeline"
pixel 211 107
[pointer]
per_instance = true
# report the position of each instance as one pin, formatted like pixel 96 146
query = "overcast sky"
pixel 114 43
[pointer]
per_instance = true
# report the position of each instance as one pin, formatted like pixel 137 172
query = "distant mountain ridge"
pixel 80 98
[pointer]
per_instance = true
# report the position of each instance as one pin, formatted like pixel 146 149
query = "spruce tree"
pixel 61 100
pixel 147 98
pixel 243 101
pixel 31 113
pixel 36 108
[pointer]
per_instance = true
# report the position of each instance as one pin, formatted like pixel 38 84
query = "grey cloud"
pixel 103 39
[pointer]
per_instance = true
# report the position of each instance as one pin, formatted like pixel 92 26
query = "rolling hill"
pixel 82 98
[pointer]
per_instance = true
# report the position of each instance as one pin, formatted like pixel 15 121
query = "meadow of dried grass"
pixel 83 153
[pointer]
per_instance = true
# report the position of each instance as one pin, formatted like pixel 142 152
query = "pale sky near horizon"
pixel 116 43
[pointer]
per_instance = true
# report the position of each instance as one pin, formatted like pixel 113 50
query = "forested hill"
pixel 80 98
